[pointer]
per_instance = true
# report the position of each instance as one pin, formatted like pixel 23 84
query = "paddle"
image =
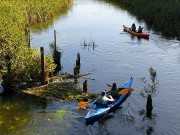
pixel 125 91
pixel 82 104
pixel 109 85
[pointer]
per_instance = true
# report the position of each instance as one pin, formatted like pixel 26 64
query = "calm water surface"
pixel 116 57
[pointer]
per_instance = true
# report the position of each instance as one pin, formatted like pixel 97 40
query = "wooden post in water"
pixel 55 40
pixel 85 86
pixel 77 68
pixel 42 66
pixel 78 62
pixel 149 106
pixel 57 55
pixel 76 71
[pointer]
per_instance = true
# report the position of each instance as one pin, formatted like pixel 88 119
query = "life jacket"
pixel 100 100
pixel 114 91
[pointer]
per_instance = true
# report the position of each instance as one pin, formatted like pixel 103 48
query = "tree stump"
pixel 149 106
pixel 85 86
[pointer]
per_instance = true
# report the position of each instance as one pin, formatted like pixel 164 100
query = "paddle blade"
pixel 109 85
pixel 125 91
pixel 82 104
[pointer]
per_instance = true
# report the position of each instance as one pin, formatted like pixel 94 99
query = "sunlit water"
pixel 116 57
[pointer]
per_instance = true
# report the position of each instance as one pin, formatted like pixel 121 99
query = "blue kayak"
pixel 98 111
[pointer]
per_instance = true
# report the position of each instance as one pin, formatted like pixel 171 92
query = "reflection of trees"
pixel 13 116
pixel 89 45
pixel 15 112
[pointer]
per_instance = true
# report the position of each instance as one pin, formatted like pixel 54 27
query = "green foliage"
pixel 19 62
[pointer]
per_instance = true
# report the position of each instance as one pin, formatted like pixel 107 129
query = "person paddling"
pixel 133 27
pixel 140 29
pixel 103 100
pixel 114 91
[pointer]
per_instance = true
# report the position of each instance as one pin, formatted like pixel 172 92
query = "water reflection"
pixel 16 111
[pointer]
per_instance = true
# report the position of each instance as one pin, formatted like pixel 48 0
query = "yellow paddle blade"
pixel 82 104
pixel 109 85
pixel 125 91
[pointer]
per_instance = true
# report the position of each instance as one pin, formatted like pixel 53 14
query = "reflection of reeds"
pixel 89 44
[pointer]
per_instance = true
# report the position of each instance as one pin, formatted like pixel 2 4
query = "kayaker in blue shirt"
pixel 102 99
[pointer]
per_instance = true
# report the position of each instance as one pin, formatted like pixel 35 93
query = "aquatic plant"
pixel 149 88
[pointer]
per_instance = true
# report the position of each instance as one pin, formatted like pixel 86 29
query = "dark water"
pixel 116 57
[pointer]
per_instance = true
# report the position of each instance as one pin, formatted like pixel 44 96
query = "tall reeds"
pixel 21 63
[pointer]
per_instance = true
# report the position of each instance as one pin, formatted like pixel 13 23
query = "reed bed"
pixel 17 15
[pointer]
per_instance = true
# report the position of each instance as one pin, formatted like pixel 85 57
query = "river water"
pixel 116 57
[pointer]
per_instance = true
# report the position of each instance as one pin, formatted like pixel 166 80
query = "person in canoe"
pixel 140 29
pixel 133 27
pixel 114 91
pixel 103 100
